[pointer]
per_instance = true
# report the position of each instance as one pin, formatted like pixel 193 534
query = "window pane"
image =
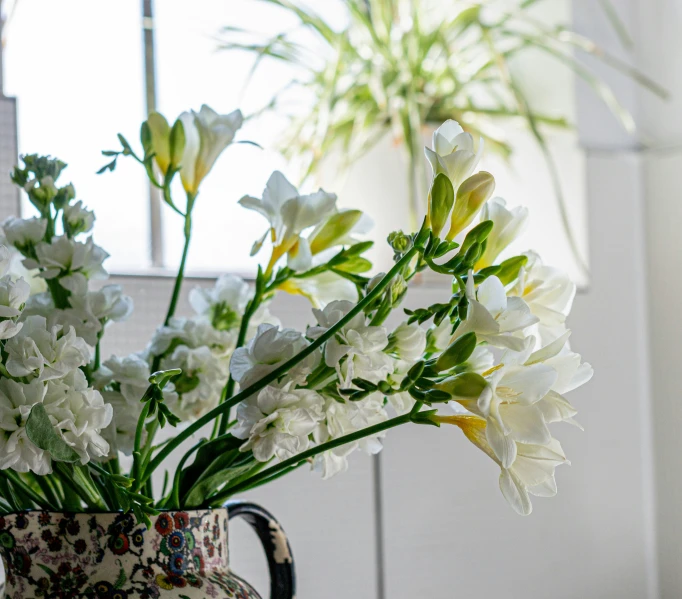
pixel 75 67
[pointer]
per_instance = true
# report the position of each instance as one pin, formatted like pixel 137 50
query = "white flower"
pixel 321 289
pixel 343 419
pixel 46 354
pixel 24 232
pixel 13 296
pixel 549 293
pixel 269 349
pixel 508 405
pixel 224 303
pixel 198 388
pixel 74 261
pixel 532 472
pixel 289 214
pixel 453 152
pixel 207 134
pixel 408 342
pixel 507 226
pixel 278 422
pixel 16 450
pixel 358 345
pixel 494 317
pixel 77 219
pixel 80 414
pixel 107 303
pixel 122 382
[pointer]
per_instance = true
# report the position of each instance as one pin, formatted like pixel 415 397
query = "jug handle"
pixel 275 544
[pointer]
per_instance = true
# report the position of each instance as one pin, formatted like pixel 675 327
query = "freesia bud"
pixel 467 385
pixel 337 226
pixel 177 143
pixel 158 133
pixel 441 201
pixel 458 352
pixel 471 196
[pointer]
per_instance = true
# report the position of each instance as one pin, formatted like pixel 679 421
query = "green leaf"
pixel 41 432
pixel 209 485
pixel 162 377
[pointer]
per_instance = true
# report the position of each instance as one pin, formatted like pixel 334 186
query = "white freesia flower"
pixel 494 317
pixel 453 152
pixel 549 293
pixel 74 261
pixel 507 226
pixel 357 349
pixel 269 349
pixel 532 473
pixel 343 419
pixel 80 414
pixel 207 134
pixel 508 405
pixel 78 219
pixel 45 353
pixel 24 232
pixel 278 422
pixel 289 214
pixel 16 450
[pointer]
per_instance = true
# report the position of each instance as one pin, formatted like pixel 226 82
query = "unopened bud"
pixel 441 201
pixel 471 196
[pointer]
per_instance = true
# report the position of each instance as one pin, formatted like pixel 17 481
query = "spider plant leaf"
pixel 617 23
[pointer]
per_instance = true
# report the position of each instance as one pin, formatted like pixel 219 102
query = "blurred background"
pixel 589 90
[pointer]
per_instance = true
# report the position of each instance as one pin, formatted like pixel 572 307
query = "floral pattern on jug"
pixel 183 555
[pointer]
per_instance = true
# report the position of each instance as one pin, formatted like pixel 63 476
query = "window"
pixel 77 70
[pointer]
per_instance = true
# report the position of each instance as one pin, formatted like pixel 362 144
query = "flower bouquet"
pixel 252 401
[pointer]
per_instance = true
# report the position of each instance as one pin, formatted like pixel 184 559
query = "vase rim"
pixel 113 513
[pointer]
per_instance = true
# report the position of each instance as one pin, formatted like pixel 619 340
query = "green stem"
pixel 181 271
pixel 312 452
pixel 228 392
pixel 225 407
pixel 139 430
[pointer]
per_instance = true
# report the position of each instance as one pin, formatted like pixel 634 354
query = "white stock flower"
pixel 278 422
pixel 408 342
pixel 24 232
pixel 494 317
pixel 13 297
pixel 77 218
pixel 45 353
pixel 357 349
pixel 198 388
pixel 289 214
pixel 507 226
pixel 223 304
pixel 122 382
pixel 80 414
pixel 269 349
pixel 549 293
pixel 74 261
pixel 16 450
pixel 107 303
pixel 207 134
pixel 343 419
pixel 453 153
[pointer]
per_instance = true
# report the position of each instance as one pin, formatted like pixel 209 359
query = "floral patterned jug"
pixel 183 555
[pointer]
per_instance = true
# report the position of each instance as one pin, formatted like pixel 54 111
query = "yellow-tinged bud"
pixel 177 143
pixel 471 196
pixel 335 229
pixel 160 140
